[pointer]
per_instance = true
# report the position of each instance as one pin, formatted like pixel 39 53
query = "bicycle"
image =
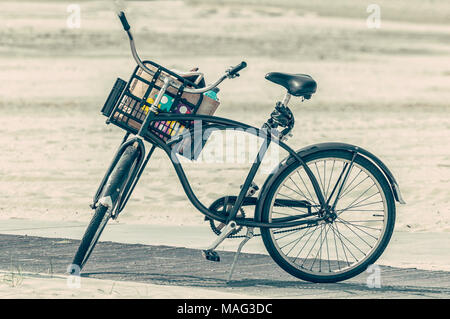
pixel 325 213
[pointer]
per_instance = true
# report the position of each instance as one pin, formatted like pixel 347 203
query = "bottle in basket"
pixel 210 102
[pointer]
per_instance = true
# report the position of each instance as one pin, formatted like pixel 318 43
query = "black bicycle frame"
pixel 215 123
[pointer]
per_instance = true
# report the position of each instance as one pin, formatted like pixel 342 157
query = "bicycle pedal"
pixel 211 255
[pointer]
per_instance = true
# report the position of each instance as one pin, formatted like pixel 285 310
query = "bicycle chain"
pixel 276 232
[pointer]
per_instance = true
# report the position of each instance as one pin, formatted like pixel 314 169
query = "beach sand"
pixel 386 90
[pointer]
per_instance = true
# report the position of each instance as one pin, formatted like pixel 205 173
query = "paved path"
pixel 256 274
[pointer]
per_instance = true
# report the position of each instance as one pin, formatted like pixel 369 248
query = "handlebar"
pixel 230 73
pixel 124 21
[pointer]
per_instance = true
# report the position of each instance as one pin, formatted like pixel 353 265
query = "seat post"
pixel 286 99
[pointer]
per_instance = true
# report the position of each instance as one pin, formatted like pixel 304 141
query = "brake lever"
pixel 232 76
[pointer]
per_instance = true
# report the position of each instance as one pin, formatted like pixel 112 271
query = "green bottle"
pixel 212 93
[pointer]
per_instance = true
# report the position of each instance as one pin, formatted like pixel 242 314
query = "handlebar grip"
pixel 234 70
pixel 124 21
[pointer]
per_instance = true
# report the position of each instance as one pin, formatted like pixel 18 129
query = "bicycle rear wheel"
pixel 345 245
pixel 107 201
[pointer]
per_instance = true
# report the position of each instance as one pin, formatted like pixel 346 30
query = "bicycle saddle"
pixel 296 84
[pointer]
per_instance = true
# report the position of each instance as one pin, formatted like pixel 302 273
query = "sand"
pixel 386 90
pixel 56 146
pixel 18 285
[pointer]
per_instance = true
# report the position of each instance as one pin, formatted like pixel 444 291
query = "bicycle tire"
pixel 287 263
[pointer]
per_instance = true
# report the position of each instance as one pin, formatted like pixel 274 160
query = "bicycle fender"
pixel 308 150
pixel 137 145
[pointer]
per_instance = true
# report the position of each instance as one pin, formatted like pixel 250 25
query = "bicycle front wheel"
pixel 112 190
pixel 345 245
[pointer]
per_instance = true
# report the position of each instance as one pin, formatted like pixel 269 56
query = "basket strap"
pixel 152 84
pixel 178 97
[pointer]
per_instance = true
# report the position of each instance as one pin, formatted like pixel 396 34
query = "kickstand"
pixel 248 236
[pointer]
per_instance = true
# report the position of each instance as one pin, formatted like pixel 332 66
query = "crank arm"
pixel 229 228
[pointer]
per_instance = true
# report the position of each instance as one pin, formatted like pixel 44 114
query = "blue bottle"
pixel 212 93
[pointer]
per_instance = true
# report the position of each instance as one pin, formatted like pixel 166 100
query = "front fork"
pixel 132 177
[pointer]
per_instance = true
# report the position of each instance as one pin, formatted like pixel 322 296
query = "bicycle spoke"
pixel 284 214
pixel 336 247
pixel 360 197
pixel 295 192
pixel 299 239
pixel 347 192
pixel 346 225
pixel 344 166
pixel 301 193
pixel 342 244
pixel 320 179
pixel 307 189
pixel 296 239
pixel 366 221
pixel 329 181
pixel 328 251
pixel 324 175
pixel 360 228
pixel 287 234
pixel 339 193
pixel 351 182
pixel 353 204
pixel 368 204
pixel 304 259
pixel 290 206
pixel 363 210
pixel 319 252
pixel 350 242
pixel 312 233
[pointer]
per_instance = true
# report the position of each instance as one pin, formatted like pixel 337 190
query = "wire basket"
pixel 128 103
